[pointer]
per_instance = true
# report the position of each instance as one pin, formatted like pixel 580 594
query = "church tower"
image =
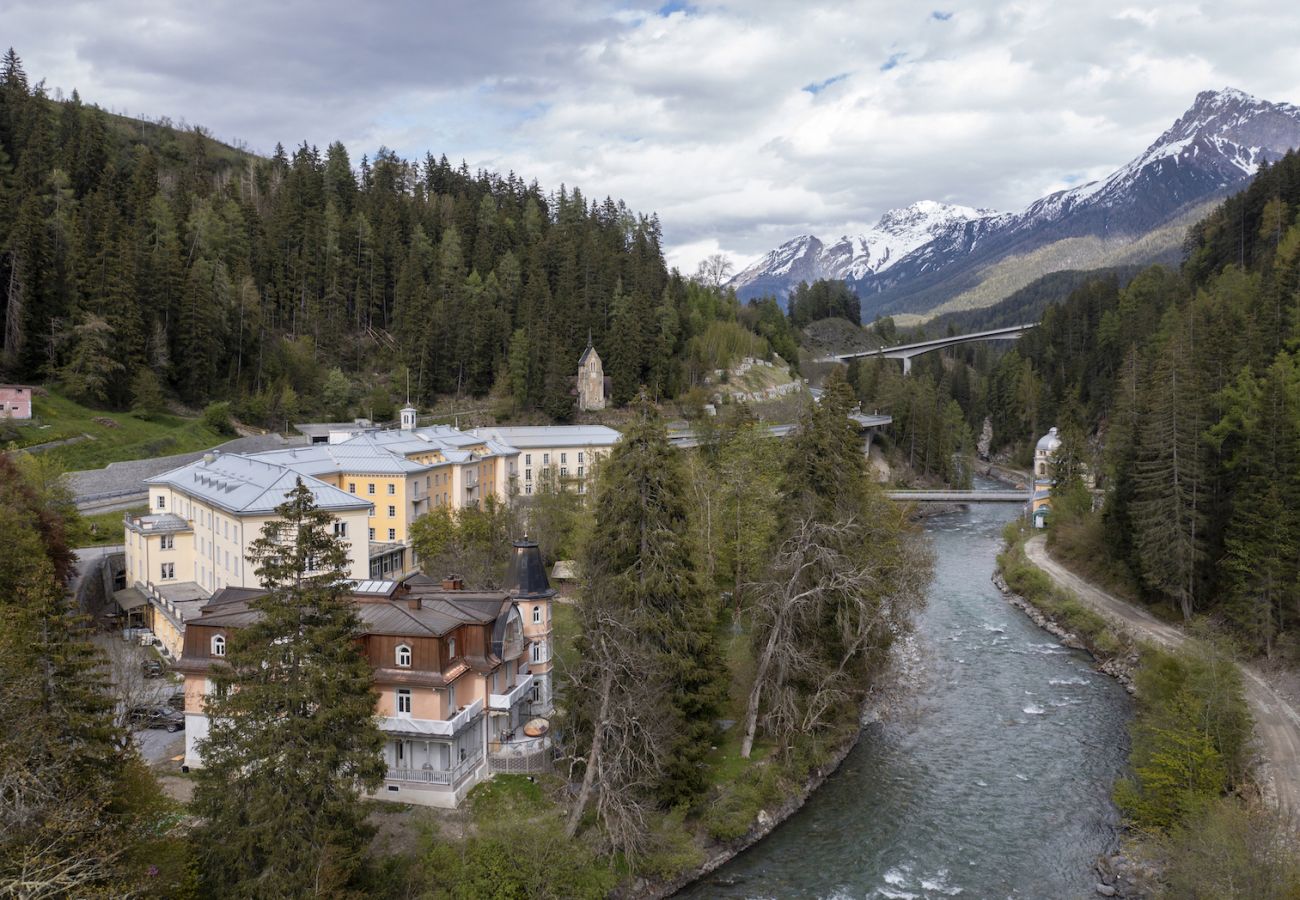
pixel 591 380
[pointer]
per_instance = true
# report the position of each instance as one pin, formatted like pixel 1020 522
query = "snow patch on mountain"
pixel 898 233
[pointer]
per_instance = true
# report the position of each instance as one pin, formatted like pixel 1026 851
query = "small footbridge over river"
pixel 944 496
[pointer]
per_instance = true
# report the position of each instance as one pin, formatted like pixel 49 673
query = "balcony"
pixel 504 702
pixel 449 777
pixel 522 756
pixel 433 727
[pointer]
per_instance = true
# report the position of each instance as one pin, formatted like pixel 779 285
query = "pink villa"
pixel 15 401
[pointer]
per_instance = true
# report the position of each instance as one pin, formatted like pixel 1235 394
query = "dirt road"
pixel 1277 724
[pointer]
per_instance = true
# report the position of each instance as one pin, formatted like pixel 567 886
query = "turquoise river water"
pixel 991 776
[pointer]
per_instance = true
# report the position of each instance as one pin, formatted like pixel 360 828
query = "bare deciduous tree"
pixel 713 270
pixel 629 730
pixel 816 579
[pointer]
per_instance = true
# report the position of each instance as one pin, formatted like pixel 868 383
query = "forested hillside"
pixel 1190 381
pixel 129 248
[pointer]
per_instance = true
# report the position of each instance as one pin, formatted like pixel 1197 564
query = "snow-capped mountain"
pixel 898 233
pixel 917 258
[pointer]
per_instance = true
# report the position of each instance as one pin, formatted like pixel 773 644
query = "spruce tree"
pixel 293 744
pixel 642 561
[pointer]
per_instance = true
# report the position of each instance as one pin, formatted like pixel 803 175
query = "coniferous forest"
pixel 296 284
pixel 1181 390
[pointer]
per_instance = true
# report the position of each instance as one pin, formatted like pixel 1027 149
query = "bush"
pixel 1232 849
pixel 518 852
pixel 217 417
pixel 1189 737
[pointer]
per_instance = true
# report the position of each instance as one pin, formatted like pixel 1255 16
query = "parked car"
pixel 153 668
pixel 157 717
pixel 177 701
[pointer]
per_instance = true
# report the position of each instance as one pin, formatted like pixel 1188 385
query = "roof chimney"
pixel 527 576
pixel 453 583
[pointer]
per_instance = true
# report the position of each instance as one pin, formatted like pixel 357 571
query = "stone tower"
pixel 591 380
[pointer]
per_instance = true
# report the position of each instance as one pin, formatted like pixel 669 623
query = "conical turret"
pixel 527 578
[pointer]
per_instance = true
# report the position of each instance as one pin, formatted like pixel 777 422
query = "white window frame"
pixel 392 512
pixel 403 694
pixel 392 489
pixel 402 656
pixel 162 501
pixel 168 542
pixel 219 645
pixel 167 572
pixel 392 534
pixel 451 648
pixel 537 652
pixel 537 614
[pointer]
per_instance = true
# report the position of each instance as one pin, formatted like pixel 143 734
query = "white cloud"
pixel 702 114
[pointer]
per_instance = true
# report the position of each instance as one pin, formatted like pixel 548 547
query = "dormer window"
pixel 451 648
pixel 219 645
pixel 404 656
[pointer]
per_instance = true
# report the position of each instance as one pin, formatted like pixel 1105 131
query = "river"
pixel 989 778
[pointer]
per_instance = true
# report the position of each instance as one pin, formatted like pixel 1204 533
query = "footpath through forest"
pixel 1277 724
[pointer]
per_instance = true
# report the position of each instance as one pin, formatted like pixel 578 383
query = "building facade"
pixel 564 456
pixel 15 401
pixel 591 381
pixel 456 683
pixel 202 520
pixel 1040 503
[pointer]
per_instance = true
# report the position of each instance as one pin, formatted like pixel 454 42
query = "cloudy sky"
pixel 741 124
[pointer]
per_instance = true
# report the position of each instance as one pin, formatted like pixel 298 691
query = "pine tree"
pixel 292 743
pixel 643 563
pixel 1169 473
pixel 78 810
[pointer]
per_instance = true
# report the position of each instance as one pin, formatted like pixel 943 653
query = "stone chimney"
pixel 453 583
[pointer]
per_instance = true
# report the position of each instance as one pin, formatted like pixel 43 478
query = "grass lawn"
pixel 115 436
pixel 564 628
pixel 104 529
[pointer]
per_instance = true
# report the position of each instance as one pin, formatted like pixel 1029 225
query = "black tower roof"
pixel 527 579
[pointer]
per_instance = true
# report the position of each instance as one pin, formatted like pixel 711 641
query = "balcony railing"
pixel 436 727
pixel 524 756
pixel 511 697
pixel 451 776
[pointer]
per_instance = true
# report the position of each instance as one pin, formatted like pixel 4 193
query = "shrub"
pixel 1232 849
pixel 1189 736
pixel 217 417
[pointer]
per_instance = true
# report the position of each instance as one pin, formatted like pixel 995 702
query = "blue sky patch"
pixel 893 61
pixel 673 6
pixel 940 16
pixel 818 86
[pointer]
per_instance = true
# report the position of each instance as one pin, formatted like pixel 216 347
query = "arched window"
pixel 219 645
pixel 537 615
pixel 404 656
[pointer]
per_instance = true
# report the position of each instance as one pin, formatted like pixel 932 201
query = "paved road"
pixel 1277 724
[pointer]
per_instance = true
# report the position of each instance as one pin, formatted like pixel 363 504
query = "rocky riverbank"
pixel 1120 666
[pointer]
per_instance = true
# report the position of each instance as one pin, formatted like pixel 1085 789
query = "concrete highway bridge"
pixel 906 352
pixel 960 496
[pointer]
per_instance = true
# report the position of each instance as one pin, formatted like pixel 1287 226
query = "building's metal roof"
pixel 246 485
pixel 356 455
pixel 529 436
pixel 527 578
pixel 1049 442
pixel 160 523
